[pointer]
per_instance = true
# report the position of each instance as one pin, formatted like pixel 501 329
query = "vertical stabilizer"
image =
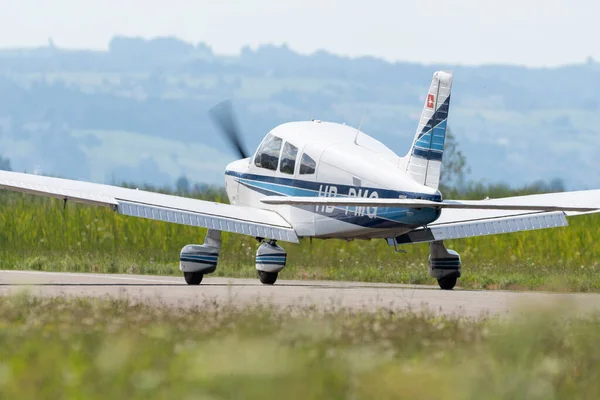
pixel 425 156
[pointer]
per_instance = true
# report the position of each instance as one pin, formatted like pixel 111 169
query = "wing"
pixel 138 203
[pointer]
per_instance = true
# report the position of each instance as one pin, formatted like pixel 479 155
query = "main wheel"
pixel 447 282
pixel 268 278
pixel 193 278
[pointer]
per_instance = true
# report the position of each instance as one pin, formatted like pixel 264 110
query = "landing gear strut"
pixel 270 259
pixel 444 265
pixel 196 260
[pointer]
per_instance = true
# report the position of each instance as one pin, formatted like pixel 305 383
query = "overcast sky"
pixel 529 32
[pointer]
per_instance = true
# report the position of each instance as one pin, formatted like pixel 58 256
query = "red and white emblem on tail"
pixel 430 100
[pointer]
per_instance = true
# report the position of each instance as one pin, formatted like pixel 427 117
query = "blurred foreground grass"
pixel 36 233
pixel 98 349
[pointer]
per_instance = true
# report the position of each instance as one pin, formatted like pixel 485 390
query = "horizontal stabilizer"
pixel 416 203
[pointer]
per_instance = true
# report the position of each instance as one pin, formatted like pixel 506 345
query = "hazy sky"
pixel 530 32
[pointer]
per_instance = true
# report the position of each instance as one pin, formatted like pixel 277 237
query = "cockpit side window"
pixel 268 154
pixel 288 158
pixel 307 165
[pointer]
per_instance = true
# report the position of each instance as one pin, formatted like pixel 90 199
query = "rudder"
pixel 425 156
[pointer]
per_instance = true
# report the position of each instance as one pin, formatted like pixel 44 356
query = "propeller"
pixel 222 115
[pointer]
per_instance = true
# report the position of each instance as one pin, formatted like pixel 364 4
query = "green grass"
pixel 98 349
pixel 36 233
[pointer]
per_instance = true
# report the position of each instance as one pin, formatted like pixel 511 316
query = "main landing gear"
pixel 444 265
pixel 197 260
pixel 270 260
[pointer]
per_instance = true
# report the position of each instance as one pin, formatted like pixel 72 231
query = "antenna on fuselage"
pixel 360 126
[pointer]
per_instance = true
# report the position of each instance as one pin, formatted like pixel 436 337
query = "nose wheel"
pixel 270 260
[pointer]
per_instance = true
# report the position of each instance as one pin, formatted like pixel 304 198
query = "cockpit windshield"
pixel 267 155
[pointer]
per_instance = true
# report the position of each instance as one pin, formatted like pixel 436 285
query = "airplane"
pixel 325 180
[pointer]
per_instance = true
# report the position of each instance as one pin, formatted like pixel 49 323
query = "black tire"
pixel 193 278
pixel 267 278
pixel 447 282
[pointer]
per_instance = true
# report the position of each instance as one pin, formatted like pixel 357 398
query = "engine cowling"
pixel 270 257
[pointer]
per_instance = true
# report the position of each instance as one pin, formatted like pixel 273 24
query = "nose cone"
pixel 232 173
pixel 238 166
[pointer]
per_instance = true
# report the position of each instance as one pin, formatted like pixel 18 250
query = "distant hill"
pixel 138 112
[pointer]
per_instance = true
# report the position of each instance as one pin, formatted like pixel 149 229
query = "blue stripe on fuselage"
pixel 379 217
pixel 298 187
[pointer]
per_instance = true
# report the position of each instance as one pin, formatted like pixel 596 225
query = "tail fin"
pixel 425 156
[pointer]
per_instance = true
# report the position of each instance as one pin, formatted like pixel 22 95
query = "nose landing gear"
pixel 270 260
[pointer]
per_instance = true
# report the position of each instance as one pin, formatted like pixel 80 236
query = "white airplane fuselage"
pixel 347 163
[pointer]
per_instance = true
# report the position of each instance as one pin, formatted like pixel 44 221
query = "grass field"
pixel 36 233
pixel 97 349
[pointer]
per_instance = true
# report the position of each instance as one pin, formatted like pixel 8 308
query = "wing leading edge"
pixel 161 207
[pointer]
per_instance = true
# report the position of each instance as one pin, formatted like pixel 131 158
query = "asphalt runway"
pixel 321 294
